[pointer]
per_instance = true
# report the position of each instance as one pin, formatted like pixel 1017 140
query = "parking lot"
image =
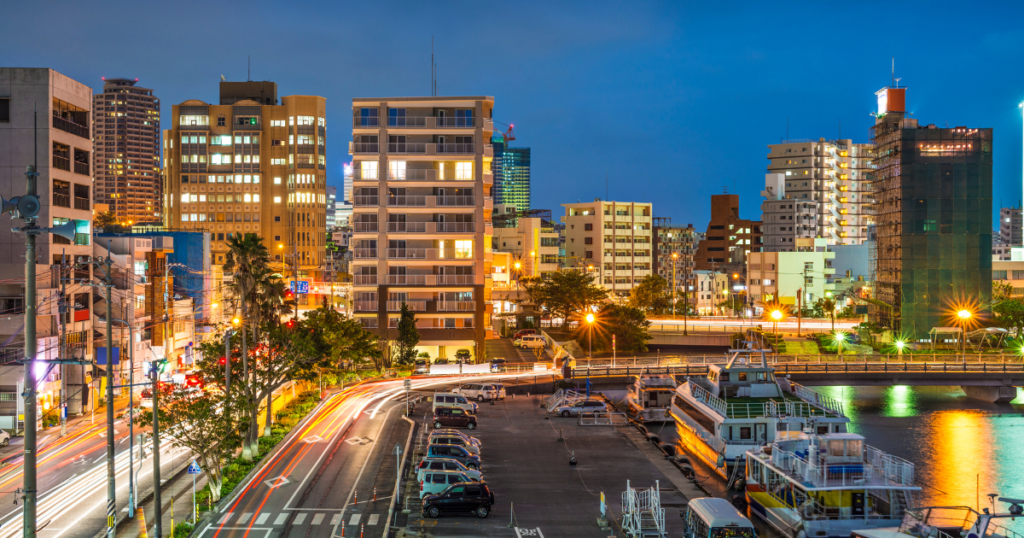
pixel 537 492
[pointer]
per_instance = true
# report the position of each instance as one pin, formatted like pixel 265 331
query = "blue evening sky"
pixel 672 101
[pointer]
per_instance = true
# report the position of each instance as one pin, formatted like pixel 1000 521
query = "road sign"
pixel 408 384
pixel 193 468
pixel 303 286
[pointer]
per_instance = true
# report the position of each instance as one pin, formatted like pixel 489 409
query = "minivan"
pixel 474 498
pixel 445 464
pixel 530 341
pixel 454 440
pixel 453 417
pixel 453 400
pixel 454 452
pixel 435 482
pixel 481 391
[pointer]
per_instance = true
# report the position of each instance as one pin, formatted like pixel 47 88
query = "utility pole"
pixel 111 480
pixel 155 372
pixel 28 209
pixel 674 256
pixel 131 418
pixel 62 311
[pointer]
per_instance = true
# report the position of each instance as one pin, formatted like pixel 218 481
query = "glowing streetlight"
pixel 236 321
pixel 964 315
pixel 776 316
pixel 900 344
pixel 590 335
pixel 839 337
pixel 675 255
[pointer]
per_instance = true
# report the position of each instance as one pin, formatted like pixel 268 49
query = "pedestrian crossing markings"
pixel 301 518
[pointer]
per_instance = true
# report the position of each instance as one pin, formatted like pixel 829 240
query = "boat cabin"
pixel 743 377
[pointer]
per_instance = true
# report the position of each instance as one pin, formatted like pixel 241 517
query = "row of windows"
pixel 250 120
pixel 229 198
pixel 237 178
pixel 220 217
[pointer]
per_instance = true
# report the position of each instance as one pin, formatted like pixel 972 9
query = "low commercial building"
pixel 790 278
pixel 533 243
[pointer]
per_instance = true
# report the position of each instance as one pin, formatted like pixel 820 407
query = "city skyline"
pixel 576 78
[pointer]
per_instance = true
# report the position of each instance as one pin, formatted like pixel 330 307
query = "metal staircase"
pixel 562 397
pixel 642 514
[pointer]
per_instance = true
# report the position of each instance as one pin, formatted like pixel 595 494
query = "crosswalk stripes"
pixel 276 519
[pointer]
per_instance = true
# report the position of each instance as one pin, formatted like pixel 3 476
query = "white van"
pixel 434 482
pixel 481 391
pixel 710 517
pixel 532 341
pixel 450 399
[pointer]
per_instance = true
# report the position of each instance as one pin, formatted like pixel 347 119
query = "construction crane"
pixel 508 136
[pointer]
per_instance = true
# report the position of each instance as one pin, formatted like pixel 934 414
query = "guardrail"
pixel 602 419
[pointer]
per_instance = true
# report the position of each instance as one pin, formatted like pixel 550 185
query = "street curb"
pixel 143 499
pixel 398 481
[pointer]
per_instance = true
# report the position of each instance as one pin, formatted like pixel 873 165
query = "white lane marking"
pixel 225 519
pixel 355 519
pixel 299 518
pixel 99 459
pixel 317 519
pixel 262 518
pixel 373 519
pixel 244 519
pixel 280 518
pixel 334 519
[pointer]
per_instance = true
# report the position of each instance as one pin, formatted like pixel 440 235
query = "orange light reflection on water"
pixel 961 446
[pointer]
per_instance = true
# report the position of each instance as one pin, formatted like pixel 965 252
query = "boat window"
pixel 822 430
pixel 745 432
pixel 725 376
pixel 743 376
pixel 732 532
pixel 835 447
pixel 759 376
pixel 854 447
pixel 711 375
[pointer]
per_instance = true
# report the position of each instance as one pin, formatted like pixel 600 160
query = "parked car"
pixel 531 341
pixel 454 452
pixel 463 355
pixel 454 440
pixel 422 367
pixel 523 332
pixel 453 431
pixel 453 417
pixel 451 399
pixel 445 464
pixel 460 499
pixel 501 390
pixel 435 482
pixel 479 391
pixel 585 406
pixel 441 361
pixel 497 365
pixel 5 438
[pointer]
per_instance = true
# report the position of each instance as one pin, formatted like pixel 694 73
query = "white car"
pixel 445 464
pixel 434 482
pixel 481 391
pixel 456 440
pixel 584 406
pixel 452 431
pixel 5 438
pixel 531 341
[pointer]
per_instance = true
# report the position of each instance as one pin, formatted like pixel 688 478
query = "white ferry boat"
pixel 807 485
pixel 741 405
pixel 650 397
pixel 952 521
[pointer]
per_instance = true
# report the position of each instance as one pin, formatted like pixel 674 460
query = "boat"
pixel 951 522
pixel 828 485
pixel 741 405
pixel 650 397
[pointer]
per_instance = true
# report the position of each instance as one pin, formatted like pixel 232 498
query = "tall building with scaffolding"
pixel 933 188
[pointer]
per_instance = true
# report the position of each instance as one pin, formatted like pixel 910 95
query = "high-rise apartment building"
pixel 674 248
pixel 785 220
pixel 45 119
pixel 422 231
pixel 514 186
pixel 729 239
pixel 834 174
pixel 126 134
pixel 1010 232
pixel 331 209
pixel 251 168
pixel 611 238
pixel 934 215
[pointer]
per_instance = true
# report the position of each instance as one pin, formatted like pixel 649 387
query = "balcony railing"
pixel 62 163
pixel 456 306
pixel 408 253
pixel 456 122
pixel 366 227
pixel 62 200
pixel 365 253
pixel 82 168
pixel 407 148
pixel 456 201
pixel 359 121
pixel 407 201
pixel 407 121
pixel 408 227
pixel 367 201
pixel 365 306
pixel 82 203
pixel 456 227
pixel 455 280
pixel 459 149
pixel 413 174
pixel 414 305
pixel 364 280
pixel 363 147
pixel 410 280
pixel 70 127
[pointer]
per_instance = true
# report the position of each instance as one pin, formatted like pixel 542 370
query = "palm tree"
pixel 828 304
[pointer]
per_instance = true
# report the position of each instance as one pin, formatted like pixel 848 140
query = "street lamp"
pixel 776 316
pixel 900 344
pixel 839 338
pixel 590 335
pixel 674 257
pixel 963 315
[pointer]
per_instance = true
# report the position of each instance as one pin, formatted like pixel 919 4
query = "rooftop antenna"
pixel 893 71
pixel 222 79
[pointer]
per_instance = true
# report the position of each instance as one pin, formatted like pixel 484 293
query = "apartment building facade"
pixel 729 238
pixel 421 217
pixel 252 168
pixel 785 220
pixel 46 119
pixel 127 151
pixel 612 238
pixel 835 174
pixel 674 249
pixel 711 289
pixel 791 278
pixel 533 243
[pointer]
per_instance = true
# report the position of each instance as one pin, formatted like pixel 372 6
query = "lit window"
pixel 464 171
pixel 277 199
pixel 368 169
pixel 256 198
pixel 247 198
pixel 202 197
pixel 277 181
pixel 193 198
pixel 396 170
pixel 184 197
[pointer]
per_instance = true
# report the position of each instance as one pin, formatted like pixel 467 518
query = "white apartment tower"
pixel 837 175
pixel 610 238
pixel 421 217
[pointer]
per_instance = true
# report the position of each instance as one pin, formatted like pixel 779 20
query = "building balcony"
pixel 62 163
pixel 82 168
pixel 489 151
pixel 420 122
pixel 456 306
pixel 61 200
pixel 364 253
pixel 457 201
pixel 372 201
pixel 410 227
pixel 71 127
pixel 82 203
pixel 365 306
pixel 364 280
pixel 456 149
pixel 408 201
pixel 361 148
pixel 414 304
pixel 407 149
pixel 456 280
pixel 366 227
pixel 427 254
pixel 456 227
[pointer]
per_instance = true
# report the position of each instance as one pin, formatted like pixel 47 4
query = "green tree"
pixel 736 303
pixel 196 421
pixel 828 306
pixel 104 220
pixel 651 294
pixel 567 293
pixel 629 326
pixel 408 337
pixel 343 342
pixel 1010 314
pixel 1001 291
